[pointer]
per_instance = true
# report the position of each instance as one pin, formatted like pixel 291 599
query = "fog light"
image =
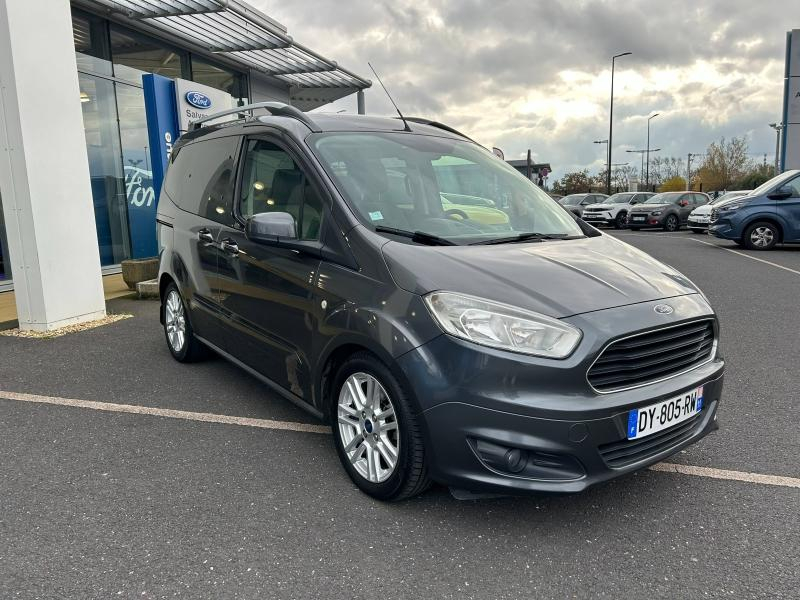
pixel 515 460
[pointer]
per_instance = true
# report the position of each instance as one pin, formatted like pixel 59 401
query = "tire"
pixel 761 235
pixel 671 223
pixel 397 435
pixel 621 221
pixel 186 348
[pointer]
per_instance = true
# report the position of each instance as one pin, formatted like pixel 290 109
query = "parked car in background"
pixel 614 209
pixel 668 210
pixel 768 215
pixel 575 203
pixel 700 216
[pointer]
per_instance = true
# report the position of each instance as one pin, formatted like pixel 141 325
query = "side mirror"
pixel 781 193
pixel 684 203
pixel 271 227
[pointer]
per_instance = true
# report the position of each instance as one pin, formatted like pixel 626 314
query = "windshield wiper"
pixel 417 236
pixel 530 236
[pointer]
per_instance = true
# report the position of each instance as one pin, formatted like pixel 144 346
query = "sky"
pixel 521 74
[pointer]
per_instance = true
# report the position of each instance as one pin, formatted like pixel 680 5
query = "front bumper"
pixel 649 220
pixel 692 224
pixel 603 218
pixel 477 404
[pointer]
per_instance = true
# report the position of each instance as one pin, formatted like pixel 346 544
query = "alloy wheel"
pixel 368 427
pixel 762 237
pixel 175 321
pixel 671 224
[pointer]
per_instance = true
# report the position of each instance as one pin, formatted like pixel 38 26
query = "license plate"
pixel 652 419
pixel 638 218
pixel 700 220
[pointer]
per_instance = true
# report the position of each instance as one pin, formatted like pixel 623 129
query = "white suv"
pixel 614 209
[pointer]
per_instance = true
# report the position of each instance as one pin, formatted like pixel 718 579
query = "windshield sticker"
pixel 376 215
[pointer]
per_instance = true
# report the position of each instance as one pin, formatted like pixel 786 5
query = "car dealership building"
pixel 77 162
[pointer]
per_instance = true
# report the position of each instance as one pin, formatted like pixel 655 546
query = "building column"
pixel 44 170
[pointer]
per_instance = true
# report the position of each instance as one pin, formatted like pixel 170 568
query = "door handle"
pixel 229 246
pixel 204 235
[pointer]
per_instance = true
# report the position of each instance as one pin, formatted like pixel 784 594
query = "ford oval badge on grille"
pixel 663 309
pixel 198 100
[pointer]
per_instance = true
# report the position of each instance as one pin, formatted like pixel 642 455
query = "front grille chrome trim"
pixel 712 355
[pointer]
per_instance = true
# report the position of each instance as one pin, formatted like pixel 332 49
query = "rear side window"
pixel 200 178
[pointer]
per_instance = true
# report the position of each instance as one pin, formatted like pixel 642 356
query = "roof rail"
pixel 278 109
pixel 423 121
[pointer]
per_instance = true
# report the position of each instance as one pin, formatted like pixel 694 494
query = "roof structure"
pixel 244 35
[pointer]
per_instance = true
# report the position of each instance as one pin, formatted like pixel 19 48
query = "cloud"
pixel 535 74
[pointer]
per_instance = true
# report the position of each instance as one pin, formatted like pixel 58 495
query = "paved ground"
pixel 96 504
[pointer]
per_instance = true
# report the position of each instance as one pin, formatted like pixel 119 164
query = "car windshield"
pixel 773 183
pixel 443 187
pixel 665 198
pixel 573 199
pixel 618 199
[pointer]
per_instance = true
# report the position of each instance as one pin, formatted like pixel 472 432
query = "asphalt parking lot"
pixel 98 503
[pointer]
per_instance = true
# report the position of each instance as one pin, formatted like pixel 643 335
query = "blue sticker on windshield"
pixel 376 215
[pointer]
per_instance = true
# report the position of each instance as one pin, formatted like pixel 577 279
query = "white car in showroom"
pixel 614 209
pixel 700 216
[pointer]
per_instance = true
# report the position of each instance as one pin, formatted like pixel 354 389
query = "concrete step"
pixel 147 289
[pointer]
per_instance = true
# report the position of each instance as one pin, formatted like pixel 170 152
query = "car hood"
pixel 702 210
pixel 648 207
pixel 555 278
pixel 600 206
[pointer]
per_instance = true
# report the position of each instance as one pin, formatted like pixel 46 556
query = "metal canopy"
pixel 243 34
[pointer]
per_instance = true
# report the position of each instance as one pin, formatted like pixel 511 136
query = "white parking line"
pixel 166 412
pixel 724 474
pixel 306 428
pixel 761 260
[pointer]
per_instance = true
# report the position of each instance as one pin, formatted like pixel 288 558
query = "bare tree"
pixel 725 163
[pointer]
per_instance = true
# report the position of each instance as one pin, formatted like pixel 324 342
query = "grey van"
pixel 449 320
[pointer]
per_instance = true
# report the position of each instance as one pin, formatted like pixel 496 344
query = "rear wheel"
pixel 377 435
pixel 761 236
pixel 621 221
pixel 671 223
pixel 182 343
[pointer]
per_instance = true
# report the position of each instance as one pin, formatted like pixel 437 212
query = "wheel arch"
pixel 772 219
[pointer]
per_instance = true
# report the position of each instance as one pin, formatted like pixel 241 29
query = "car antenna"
pixel 378 77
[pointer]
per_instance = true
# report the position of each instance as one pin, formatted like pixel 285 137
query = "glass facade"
pixel 111 61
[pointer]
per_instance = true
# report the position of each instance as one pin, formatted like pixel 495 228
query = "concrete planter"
pixel 139 269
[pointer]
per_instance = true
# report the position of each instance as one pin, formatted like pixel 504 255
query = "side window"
pixel 700 199
pixel 273 182
pixel 794 184
pixel 200 178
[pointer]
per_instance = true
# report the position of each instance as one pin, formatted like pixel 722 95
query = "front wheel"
pixel 377 435
pixel 621 221
pixel 761 236
pixel 671 223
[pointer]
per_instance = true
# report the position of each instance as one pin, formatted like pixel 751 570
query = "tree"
pixel 573 183
pixel 673 184
pixel 725 163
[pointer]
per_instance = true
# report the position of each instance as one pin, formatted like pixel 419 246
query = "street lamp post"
pixel 777 127
pixel 611 122
pixel 647 175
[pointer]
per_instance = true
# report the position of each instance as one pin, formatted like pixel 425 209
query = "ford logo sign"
pixel 198 100
pixel 663 309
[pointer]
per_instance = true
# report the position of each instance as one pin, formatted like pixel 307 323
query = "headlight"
pixel 655 213
pixel 502 326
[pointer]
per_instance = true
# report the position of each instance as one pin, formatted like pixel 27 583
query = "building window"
pixel 91 43
pixel 221 78
pixel 134 55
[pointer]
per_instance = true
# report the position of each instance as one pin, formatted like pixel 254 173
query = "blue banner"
pixel 142 187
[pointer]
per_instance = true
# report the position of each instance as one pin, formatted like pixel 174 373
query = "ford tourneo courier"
pixel 765 217
pixel 449 320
